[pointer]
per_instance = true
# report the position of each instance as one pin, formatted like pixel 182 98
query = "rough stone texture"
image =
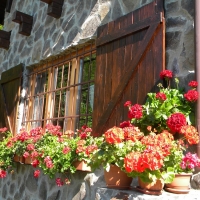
pixel 112 194
pixel 195 181
pixel 180 36
pixel 23 186
pixel 51 37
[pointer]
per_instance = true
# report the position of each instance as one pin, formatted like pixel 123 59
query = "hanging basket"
pixel 180 184
pixel 116 178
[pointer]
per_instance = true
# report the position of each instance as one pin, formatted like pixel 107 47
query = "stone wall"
pixel 77 25
pixel 180 38
pixel 21 185
pixel 50 36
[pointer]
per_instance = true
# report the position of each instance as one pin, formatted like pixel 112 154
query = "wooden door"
pixel 130 56
pixel 10 85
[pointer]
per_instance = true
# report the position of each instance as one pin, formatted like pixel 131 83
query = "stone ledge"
pixel 133 194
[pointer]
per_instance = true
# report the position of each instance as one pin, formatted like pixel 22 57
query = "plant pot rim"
pixel 184 173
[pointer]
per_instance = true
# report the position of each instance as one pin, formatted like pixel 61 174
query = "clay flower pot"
pixel 19 159
pixel 82 166
pixel 116 178
pixel 155 186
pixel 180 184
pixel 22 160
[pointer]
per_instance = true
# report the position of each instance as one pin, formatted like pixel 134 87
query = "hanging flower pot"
pixel 116 178
pixel 154 188
pixel 180 184
pixel 82 166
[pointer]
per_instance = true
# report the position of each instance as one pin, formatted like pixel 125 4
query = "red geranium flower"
pixel 166 74
pixel 193 84
pixel 128 103
pixel 176 121
pixel 190 133
pixel 2 130
pixel 132 133
pixel 30 147
pixel 66 150
pixel 26 154
pixel 125 124
pixel 161 96
pixel 135 112
pixel 2 173
pixel 36 173
pixel 59 182
pixel 35 163
pixel 191 95
pixel 114 135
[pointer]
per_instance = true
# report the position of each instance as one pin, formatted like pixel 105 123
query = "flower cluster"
pixel 151 159
pixel 86 144
pixel 189 162
pixel 115 144
pixel 168 113
pixel 38 146
pixel 167 109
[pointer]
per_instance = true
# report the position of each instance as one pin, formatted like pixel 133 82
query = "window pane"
pixel 62 92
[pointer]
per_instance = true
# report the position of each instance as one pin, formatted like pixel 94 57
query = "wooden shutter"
pixel 130 56
pixel 9 92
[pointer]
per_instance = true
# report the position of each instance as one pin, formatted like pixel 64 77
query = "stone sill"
pixel 133 194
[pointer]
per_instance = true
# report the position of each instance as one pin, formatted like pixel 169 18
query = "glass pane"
pixel 41 83
pixel 87 90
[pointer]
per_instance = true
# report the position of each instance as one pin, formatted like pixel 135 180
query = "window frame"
pixel 74 59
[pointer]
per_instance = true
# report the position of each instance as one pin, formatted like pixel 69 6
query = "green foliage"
pixel 174 159
pixel 156 112
pixel 53 148
pixel 6 153
pixel 114 154
pixel 1 27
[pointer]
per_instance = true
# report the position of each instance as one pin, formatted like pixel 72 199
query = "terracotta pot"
pixel 19 159
pixel 22 160
pixel 180 184
pixel 155 186
pixel 116 178
pixel 82 166
pixel 28 160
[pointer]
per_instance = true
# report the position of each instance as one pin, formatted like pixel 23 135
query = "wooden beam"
pixel 5 39
pixel 54 10
pixel 25 21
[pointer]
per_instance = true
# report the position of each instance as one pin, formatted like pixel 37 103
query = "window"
pixel 61 92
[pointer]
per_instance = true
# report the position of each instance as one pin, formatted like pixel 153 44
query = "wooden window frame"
pixel 73 61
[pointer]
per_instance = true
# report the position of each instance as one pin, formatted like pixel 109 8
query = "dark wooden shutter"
pixel 10 85
pixel 130 56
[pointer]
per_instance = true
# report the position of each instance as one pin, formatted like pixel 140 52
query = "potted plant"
pixel 165 117
pixel 147 163
pixel 86 146
pixel 183 161
pixel 6 153
pixel 159 106
pixel 54 152
pixel 116 143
